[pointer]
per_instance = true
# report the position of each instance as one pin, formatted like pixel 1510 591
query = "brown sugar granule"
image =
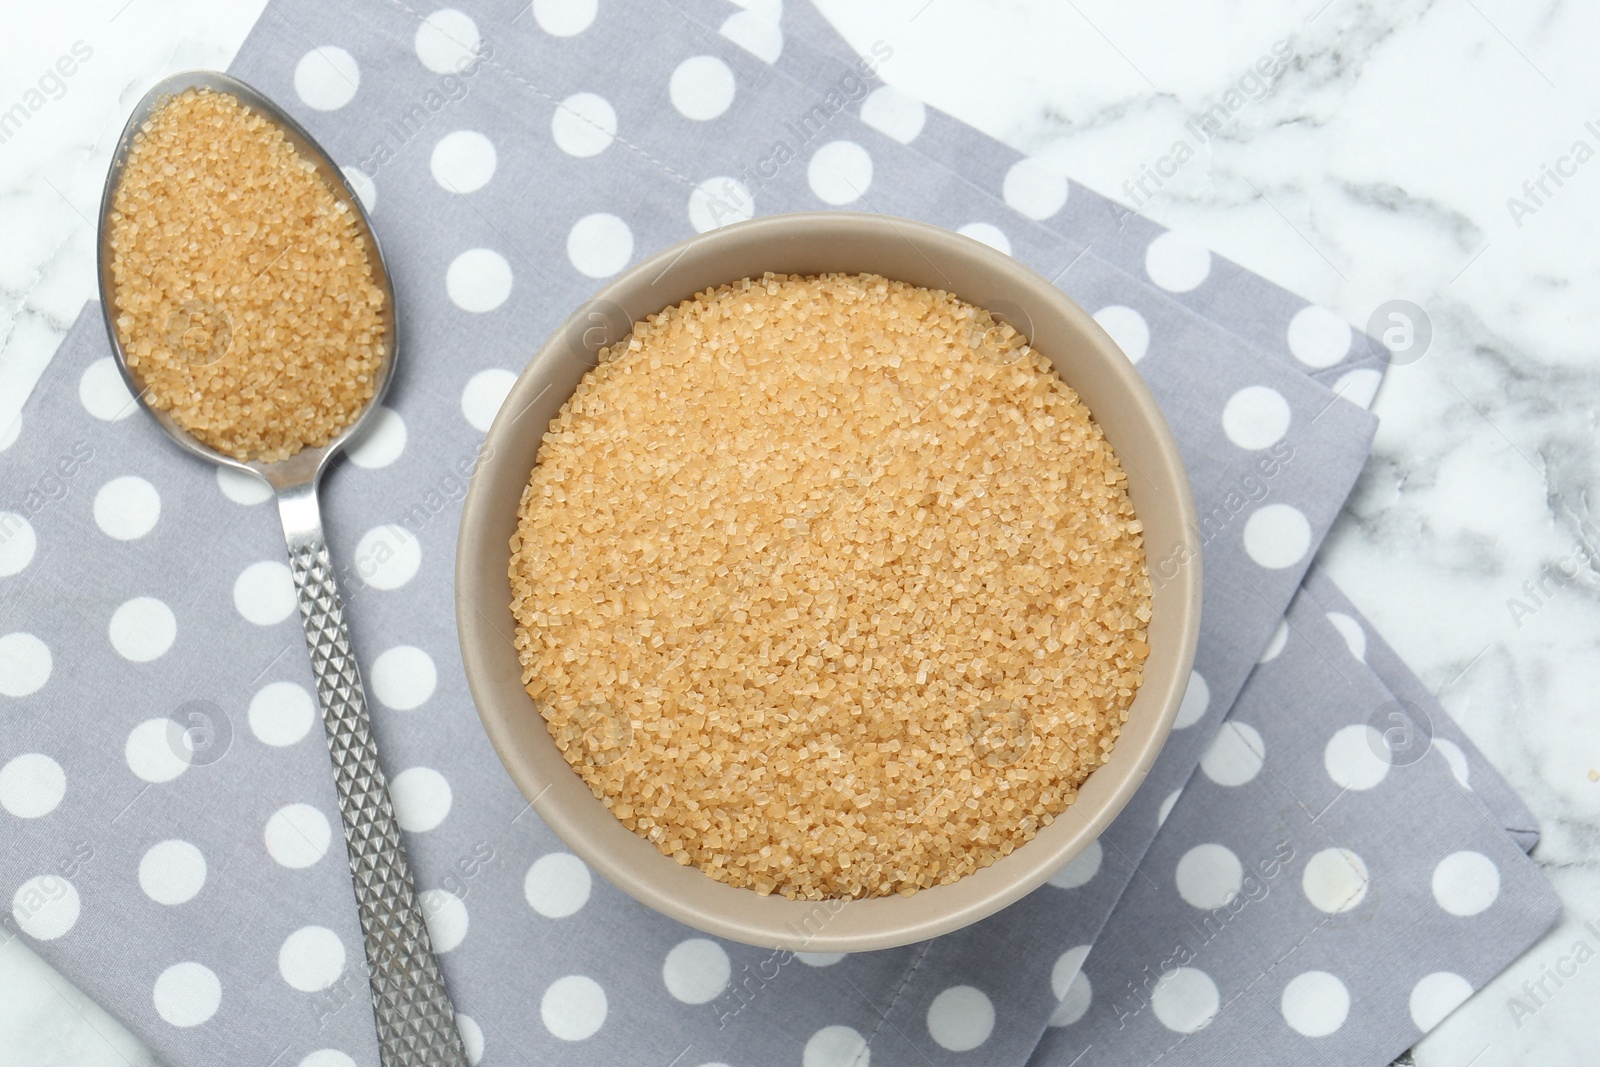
pixel 245 299
pixel 829 586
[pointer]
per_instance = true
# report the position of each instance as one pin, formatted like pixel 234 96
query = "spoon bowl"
pixel 306 466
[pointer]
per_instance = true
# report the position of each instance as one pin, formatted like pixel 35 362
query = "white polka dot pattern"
pixel 564 18
pixel 1435 996
pixel 572 140
pixel 485 392
pixel 446 917
pixel 1185 1000
pixel 836 1046
pixel 142 629
pixel 1196 699
pixel 327 78
pixel 1176 263
pixel 18 543
pixel 281 713
pixel 1277 536
pixel 1356 757
pixel 819 959
pixel 719 201
pixel 25 664
pixel 1081 869
pixel 1335 880
pixel 584 125
pixel 46 907
pixel 839 173
pixel 890 111
pixel 557 885
pixel 987 233
pixel 599 245
pixel 1034 189
pixel 463 161
pixel 311 959
pixel 187 994
pixel 1460 769
pixel 365 188
pixel 264 593
pixel 471 1037
pixel 1256 417
pixel 1466 883
pixel 1127 328
pixel 297 835
pixel 172 872
pixel 155 751
pixel 573 1008
pixel 380 442
pixel 1236 756
pixel 32 785
pixel 1355 638
pixel 756 34
pixel 422 799
pixel 696 971
pixel 403 678
pixel 1071 987
pixel 387 556
pixel 1276 643
pixel 1167 805
pixel 103 392
pixel 479 280
pixel 702 88
pixel 127 508
pixel 447 41
pixel 1315 1003
pixel 243 488
pixel 1359 386
pixel 1319 338
pixel 961 1018
pixel 1209 876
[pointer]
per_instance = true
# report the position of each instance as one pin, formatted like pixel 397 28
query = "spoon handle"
pixel 416 1025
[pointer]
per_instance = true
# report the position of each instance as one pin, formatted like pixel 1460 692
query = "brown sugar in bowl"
pixel 815 244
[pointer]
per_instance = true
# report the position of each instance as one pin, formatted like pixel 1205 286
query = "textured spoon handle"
pixel 416 1026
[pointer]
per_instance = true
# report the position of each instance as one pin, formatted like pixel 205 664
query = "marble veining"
pixel 1381 162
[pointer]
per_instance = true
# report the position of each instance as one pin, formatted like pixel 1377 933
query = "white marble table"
pixel 1379 167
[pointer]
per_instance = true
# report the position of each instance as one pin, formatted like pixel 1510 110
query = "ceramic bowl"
pixel 1087 359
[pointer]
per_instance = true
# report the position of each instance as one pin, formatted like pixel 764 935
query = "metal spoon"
pixel 416 1026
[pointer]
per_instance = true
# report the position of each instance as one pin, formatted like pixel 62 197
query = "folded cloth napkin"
pixel 195 886
pixel 1316 892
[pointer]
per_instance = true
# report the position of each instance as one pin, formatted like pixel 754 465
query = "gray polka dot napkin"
pixel 173 842
pixel 1315 894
